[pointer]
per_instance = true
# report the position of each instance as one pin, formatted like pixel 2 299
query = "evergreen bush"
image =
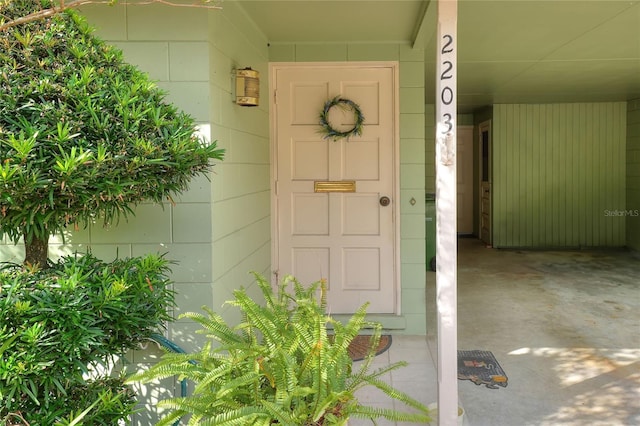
pixel 58 324
pixel 84 136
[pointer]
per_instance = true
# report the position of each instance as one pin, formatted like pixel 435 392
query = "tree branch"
pixel 45 13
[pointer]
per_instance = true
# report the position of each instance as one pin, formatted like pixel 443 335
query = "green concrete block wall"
pixel 172 45
pixel 412 171
pixel 558 169
pixel 241 186
pixel 633 175
pixel 430 148
pixel 214 242
pixel 412 159
pixel 241 213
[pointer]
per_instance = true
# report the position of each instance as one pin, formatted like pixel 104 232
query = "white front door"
pixel 345 235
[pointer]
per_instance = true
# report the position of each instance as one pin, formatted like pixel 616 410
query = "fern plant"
pixel 286 363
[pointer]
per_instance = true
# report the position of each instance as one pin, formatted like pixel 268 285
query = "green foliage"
pixel 287 363
pixel 107 400
pixel 83 135
pixel 58 323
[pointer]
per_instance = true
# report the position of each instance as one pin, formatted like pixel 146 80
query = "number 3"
pixel 448 122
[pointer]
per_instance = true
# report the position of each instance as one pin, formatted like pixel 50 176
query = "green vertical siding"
pixel 633 175
pixel 559 175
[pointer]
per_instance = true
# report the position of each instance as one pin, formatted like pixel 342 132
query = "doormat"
pixel 482 368
pixel 359 346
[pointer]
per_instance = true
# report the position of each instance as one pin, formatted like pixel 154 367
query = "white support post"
pixel 446 217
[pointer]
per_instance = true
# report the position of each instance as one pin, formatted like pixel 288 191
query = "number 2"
pixel 446 72
pixel 446 48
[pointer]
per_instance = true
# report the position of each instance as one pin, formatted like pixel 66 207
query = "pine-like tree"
pixel 84 136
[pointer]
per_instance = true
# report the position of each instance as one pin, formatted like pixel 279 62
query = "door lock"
pixel 385 201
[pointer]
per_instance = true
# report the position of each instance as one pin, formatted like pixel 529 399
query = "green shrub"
pixel 56 324
pixel 84 136
pixel 286 363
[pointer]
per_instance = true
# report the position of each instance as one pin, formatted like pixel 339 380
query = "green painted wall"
pixel 558 173
pixel 220 229
pixel 412 160
pixel 412 171
pixel 633 175
pixel 193 59
pixel 430 149
pixel 241 185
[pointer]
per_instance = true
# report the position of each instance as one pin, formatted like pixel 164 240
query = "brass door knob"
pixel 385 201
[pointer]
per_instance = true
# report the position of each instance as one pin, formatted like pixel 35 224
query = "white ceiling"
pixel 509 51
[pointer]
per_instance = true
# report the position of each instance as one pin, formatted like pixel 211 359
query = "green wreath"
pixel 328 131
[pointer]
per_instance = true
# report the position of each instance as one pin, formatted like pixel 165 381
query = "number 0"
pixel 446 96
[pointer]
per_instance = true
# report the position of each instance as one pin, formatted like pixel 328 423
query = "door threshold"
pixel 388 321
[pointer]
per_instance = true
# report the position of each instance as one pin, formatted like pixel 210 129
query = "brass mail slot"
pixel 335 186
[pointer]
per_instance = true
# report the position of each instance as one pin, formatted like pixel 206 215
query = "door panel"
pixel 310 214
pixel 302 149
pixel 360 215
pixel 347 238
pixel 309 263
pixel 361 160
pixel 306 113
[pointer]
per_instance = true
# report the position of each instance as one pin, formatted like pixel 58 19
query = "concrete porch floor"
pixel 564 325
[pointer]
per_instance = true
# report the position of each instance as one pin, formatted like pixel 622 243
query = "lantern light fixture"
pixel 247 87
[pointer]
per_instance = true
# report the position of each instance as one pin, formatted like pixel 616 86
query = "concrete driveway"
pixel 564 325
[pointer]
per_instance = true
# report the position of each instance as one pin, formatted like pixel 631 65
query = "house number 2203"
pixel 447 94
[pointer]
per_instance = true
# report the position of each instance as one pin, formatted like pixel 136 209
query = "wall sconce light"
pixel 247 87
